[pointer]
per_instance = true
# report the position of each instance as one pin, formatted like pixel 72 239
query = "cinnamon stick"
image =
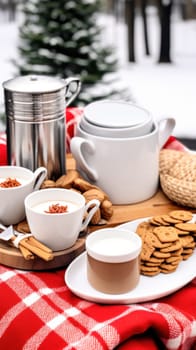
pixel 26 253
pixel 32 240
pixel 37 251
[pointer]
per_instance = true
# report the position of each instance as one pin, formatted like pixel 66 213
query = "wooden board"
pixel 12 257
pixel 158 204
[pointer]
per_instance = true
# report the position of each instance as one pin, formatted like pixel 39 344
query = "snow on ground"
pixel 165 89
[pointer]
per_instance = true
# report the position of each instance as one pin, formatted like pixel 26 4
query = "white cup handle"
pixel 76 146
pixel 39 176
pixel 165 126
pixel 95 203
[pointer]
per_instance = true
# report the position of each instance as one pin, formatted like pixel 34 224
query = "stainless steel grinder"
pixel 35 113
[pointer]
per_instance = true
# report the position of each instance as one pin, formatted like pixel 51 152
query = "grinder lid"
pixel 35 98
pixel 34 84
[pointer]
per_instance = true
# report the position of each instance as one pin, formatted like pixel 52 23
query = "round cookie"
pixel 174 246
pixel 161 255
pixel 158 220
pixel 143 228
pixel 173 259
pixel 183 215
pixel 186 240
pixel 170 220
pixel 188 226
pixel 151 273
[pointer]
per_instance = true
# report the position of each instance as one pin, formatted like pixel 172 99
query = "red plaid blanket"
pixel 38 311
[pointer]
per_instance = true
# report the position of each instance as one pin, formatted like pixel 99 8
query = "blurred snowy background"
pixel 165 89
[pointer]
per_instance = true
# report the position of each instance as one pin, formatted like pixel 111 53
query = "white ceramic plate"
pixel 149 288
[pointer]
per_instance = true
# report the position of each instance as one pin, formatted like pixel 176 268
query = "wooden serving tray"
pixel 11 256
pixel 157 205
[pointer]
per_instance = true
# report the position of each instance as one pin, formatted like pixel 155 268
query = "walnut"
pixel 96 217
pixel 93 194
pixel 48 184
pixel 106 209
pixel 66 181
pixel 82 185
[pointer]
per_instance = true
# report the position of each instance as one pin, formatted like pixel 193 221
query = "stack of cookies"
pixel 166 241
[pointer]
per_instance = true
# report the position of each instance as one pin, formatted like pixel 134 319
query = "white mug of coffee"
pixel 15 184
pixel 127 169
pixel 55 216
pixel 113 260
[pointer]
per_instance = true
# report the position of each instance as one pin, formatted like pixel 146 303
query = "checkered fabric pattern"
pixel 38 311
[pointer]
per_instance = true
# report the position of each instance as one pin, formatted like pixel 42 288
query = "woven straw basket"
pixel 178 176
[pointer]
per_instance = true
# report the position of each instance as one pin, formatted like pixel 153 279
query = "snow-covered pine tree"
pixel 63 38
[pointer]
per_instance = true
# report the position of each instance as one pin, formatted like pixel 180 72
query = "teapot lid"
pixel 34 84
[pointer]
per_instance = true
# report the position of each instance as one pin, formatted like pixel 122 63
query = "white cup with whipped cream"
pixel 56 216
